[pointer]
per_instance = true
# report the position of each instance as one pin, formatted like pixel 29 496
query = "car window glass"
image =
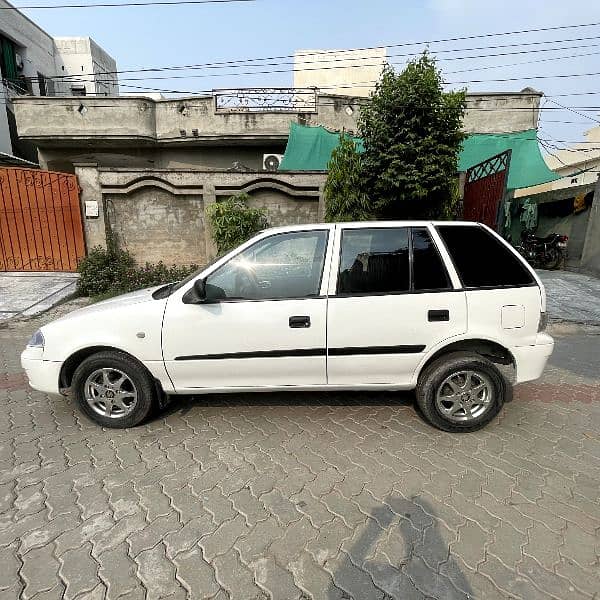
pixel 287 265
pixel 374 261
pixel 481 259
pixel 429 272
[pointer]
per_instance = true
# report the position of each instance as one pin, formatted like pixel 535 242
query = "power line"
pixel 363 84
pixel 571 109
pixel 118 4
pixel 241 63
pixel 76 77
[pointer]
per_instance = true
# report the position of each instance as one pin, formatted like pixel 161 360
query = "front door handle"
pixel 299 321
pixel 438 315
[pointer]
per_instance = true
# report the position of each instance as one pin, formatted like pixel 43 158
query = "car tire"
pixel 114 390
pixel 443 400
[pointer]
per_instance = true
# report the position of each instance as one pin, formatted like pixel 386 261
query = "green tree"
pixel 233 222
pixel 412 135
pixel 345 199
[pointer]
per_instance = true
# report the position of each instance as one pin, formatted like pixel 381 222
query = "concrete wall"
pixel 349 72
pixel 120 121
pixel 500 112
pixel 590 259
pixel 161 214
pixel 202 157
pixel 155 224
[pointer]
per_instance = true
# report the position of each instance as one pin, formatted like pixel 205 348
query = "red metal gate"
pixel 485 186
pixel 41 228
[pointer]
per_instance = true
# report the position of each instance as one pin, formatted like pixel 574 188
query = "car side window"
pixel 429 272
pixel 374 260
pixel 481 259
pixel 286 265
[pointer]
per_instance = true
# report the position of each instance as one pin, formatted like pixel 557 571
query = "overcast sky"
pixel 140 37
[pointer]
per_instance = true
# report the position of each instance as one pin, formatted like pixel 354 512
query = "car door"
pixel 391 299
pixel 264 321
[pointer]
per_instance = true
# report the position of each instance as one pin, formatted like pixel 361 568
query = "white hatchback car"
pixel 448 309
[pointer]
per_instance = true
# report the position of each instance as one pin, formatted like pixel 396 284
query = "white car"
pixel 448 309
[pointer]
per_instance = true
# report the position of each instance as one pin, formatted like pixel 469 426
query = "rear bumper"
pixel 42 374
pixel 531 360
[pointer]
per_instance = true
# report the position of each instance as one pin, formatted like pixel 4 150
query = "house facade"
pixel 150 168
pixel 33 63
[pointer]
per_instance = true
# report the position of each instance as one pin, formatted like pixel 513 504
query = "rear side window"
pixel 481 259
pixel 429 272
pixel 374 261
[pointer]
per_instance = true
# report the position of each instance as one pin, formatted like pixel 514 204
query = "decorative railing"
pixel 260 100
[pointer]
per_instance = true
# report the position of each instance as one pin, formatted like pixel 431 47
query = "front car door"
pixel 265 322
pixel 391 299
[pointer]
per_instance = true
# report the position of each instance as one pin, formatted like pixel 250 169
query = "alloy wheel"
pixel 110 393
pixel 464 396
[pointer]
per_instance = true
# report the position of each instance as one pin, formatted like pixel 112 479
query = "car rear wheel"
pixel 461 392
pixel 114 390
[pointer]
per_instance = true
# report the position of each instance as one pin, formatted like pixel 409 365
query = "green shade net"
pixel 527 166
pixel 310 148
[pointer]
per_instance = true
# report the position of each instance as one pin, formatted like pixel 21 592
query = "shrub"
pixel 344 198
pixel 233 222
pixel 110 271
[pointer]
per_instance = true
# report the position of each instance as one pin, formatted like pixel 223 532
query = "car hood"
pixel 115 303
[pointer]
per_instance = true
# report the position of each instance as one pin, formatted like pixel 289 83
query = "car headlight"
pixel 36 340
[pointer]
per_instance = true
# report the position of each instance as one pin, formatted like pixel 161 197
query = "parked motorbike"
pixel 543 253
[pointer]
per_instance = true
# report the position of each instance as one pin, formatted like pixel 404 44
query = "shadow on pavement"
pixel 184 404
pixel 391 552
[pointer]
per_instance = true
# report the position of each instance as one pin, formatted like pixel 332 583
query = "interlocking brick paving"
pixel 301 496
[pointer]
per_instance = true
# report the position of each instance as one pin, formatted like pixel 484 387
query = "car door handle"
pixel 438 315
pixel 299 321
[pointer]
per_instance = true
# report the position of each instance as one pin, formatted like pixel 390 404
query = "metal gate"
pixel 485 186
pixel 41 227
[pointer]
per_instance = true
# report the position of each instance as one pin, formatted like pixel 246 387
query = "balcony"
pixel 246 116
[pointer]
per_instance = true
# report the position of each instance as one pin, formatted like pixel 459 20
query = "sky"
pixel 158 36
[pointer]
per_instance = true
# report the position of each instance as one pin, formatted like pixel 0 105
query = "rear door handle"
pixel 438 315
pixel 299 321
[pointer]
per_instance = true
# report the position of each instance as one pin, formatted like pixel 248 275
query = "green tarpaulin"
pixel 527 166
pixel 310 148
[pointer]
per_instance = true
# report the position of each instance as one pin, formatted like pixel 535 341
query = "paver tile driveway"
pixel 323 496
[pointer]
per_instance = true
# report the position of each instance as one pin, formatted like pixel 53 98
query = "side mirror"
pixel 196 294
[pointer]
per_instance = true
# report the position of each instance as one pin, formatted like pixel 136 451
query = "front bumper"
pixel 531 360
pixel 43 375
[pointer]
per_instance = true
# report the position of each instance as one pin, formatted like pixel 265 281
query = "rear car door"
pixel 391 299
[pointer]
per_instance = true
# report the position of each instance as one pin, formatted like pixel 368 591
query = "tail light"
pixel 543 322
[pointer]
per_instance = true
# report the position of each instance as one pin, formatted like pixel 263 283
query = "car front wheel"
pixel 113 389
pixel 461 392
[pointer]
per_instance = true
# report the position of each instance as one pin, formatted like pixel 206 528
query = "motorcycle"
pixel 543 253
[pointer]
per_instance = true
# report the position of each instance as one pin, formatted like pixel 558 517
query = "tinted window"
pixel 287 265
pixel 374 260
pixel 429 272
pixel 481 259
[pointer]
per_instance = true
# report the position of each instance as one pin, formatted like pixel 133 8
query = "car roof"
pixel 366 224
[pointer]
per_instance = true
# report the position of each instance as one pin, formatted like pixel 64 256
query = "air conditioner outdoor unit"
pixel 271 162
